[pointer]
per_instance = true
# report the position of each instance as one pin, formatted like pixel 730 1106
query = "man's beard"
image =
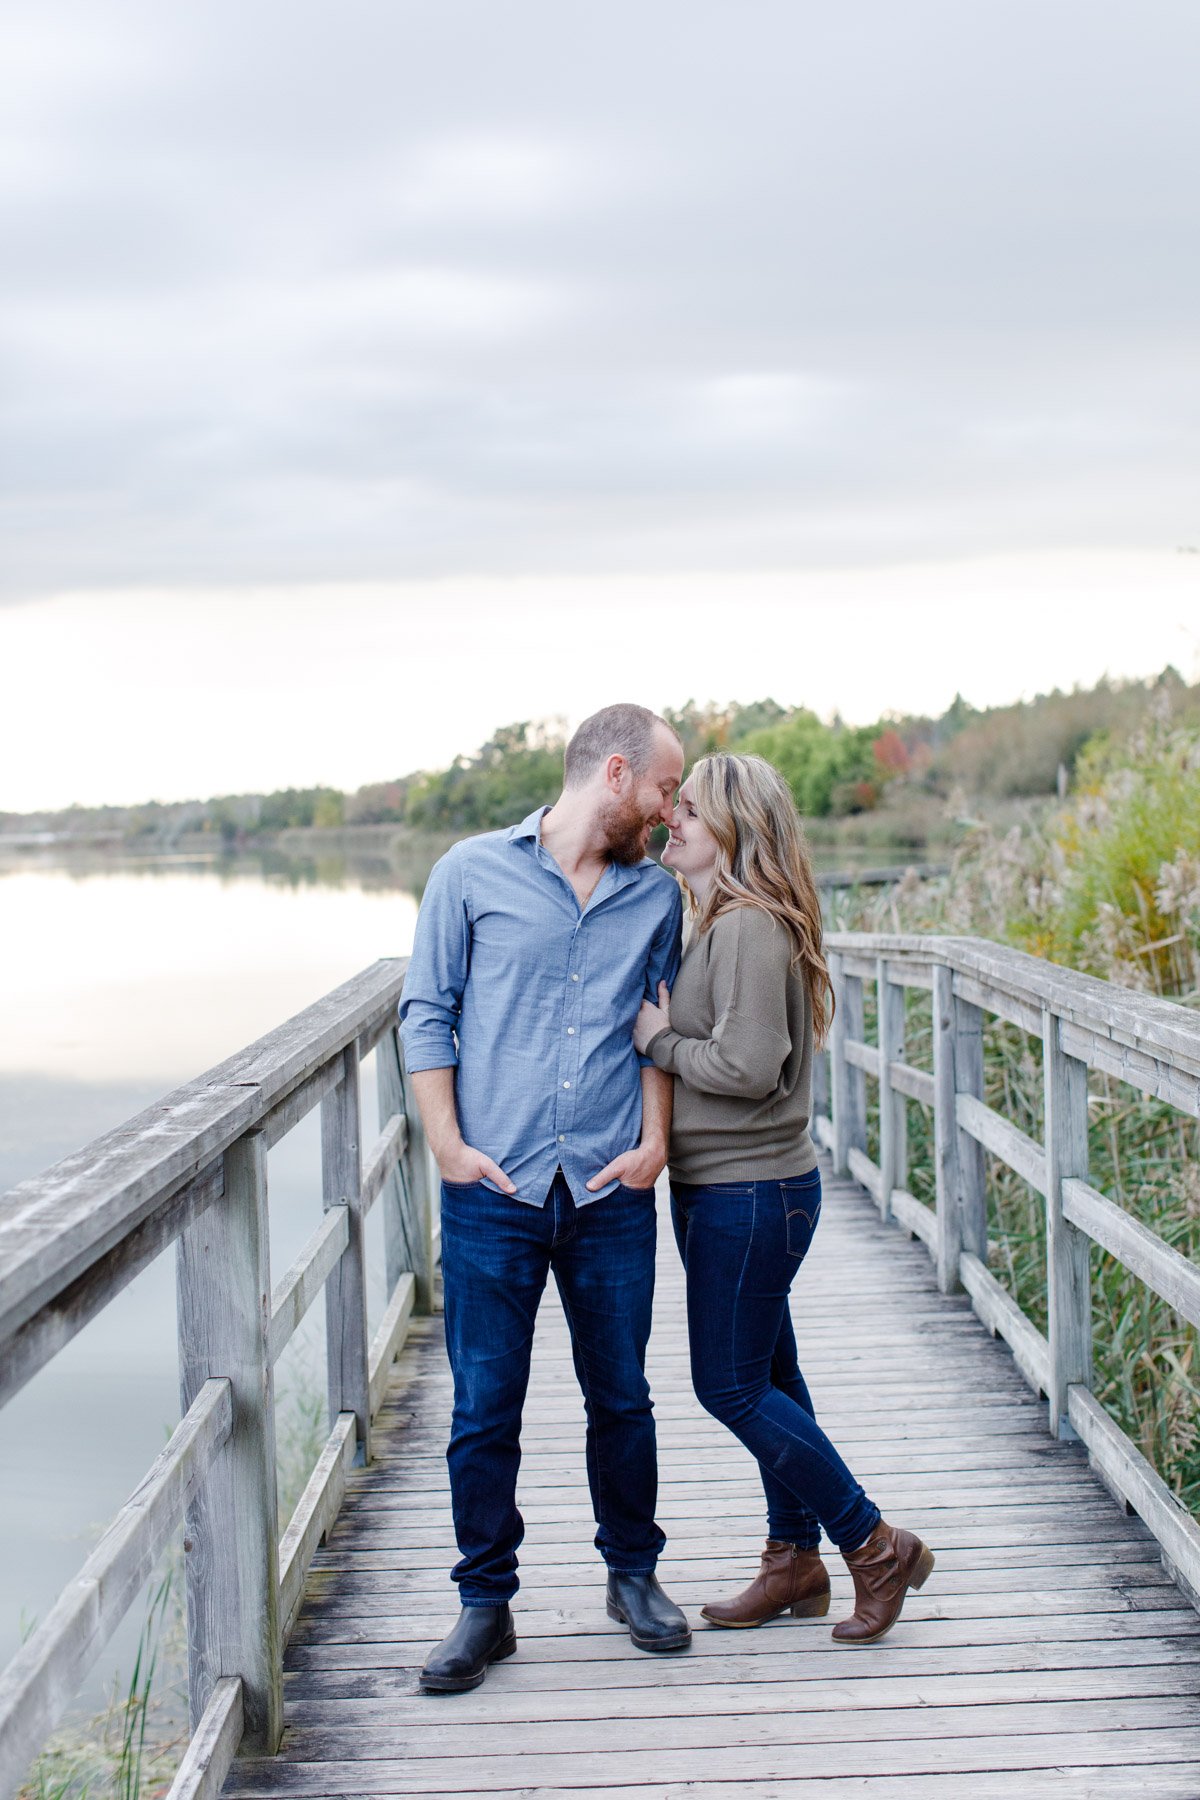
pixel 625 833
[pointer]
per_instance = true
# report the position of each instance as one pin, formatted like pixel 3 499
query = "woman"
pixel 752 997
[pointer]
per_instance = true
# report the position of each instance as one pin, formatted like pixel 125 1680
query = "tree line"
pixel 834 769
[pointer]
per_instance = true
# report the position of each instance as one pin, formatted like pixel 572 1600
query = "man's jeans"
pixel 742 1243
pixel 496 1254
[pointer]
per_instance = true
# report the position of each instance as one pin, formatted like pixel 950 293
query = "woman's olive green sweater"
pixel 740 1044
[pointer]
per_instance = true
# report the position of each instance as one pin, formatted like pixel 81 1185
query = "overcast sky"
pixel 481 353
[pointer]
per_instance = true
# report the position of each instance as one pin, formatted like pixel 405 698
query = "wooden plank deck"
pixel 1048 1653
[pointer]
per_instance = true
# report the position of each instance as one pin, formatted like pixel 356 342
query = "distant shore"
pixel 299 840
pixel 922 831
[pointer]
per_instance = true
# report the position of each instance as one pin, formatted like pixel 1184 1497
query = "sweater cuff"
pixel 661 1049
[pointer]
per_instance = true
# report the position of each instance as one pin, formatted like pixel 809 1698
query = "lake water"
pixel 121 978
pixel 119 981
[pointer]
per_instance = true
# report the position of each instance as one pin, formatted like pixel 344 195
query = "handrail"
pixel 1141 1022
pixel 191 1171
pixel 54 1226
pixel 1082 1023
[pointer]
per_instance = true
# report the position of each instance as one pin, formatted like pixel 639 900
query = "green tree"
pixel 702 729
pixel 292 807
pixel 828 768
pixel 379 803
pixel 519 767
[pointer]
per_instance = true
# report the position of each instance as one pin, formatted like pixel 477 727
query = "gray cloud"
pixel 377 291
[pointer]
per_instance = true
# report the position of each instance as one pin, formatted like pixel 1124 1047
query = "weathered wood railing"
pixel 1082 1024
pixel 193 1171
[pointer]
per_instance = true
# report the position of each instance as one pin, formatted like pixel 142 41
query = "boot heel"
pixel 507 1648
pixel 614 1612
pixel 814 1608
pixel 923 1570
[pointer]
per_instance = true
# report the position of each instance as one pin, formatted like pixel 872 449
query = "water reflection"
pixel 122 977
pixel 140 973
pixel 366 859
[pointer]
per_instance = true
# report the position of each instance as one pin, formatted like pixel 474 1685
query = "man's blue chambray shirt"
pixel 541 999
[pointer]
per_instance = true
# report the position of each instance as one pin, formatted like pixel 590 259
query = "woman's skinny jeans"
pixel 742 1243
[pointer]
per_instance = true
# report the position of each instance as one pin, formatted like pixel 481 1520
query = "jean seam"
pixel 737 1292
pixel 585 1382
pixel 815 1451
pixel 557 1242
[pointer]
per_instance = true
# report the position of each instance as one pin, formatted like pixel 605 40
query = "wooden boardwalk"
pixel 1048 1654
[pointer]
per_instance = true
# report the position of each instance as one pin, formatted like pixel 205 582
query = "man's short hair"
pixel 623 730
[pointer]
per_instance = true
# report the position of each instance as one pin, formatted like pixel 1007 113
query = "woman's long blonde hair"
pixel 763 861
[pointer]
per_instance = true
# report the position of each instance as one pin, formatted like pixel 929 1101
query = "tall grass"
pixel 1110 884
pixel 130 1749
pixel 301 1427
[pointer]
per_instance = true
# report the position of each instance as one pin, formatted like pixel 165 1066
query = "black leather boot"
pixel 483 1635
pixel 654 1621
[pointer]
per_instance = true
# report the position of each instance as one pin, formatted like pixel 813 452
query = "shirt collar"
pixel 617 875
pixel 530 827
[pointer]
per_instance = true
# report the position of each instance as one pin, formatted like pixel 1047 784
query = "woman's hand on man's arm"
pixel 652 1019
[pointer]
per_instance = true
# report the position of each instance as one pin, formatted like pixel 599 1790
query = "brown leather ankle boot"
pixel 789 1580
pixel 884 1568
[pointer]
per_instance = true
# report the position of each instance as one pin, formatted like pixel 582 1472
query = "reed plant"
pixel 131 1747
pixel 1109 884
pixel 301 1426
pixel 129 1750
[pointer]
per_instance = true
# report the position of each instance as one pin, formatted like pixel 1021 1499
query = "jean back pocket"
pixel 801 1210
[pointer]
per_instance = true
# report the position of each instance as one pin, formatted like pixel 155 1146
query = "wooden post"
pixel 1068 1265
pixel 846 1082
pixel 232 1532
pixel 945 1132
pixel 972 1168
pixel 959 1166
pixel 893 1142
pixel 839 1069
pixel 856 1081
pixel 411 1221
pixel 346 1345
pixel 394 1199
pixel 820 1085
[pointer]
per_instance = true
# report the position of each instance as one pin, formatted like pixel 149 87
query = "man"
pixel 534 948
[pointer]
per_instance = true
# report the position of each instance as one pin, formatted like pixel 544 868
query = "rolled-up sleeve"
pixel 662 964
pixel 431 1001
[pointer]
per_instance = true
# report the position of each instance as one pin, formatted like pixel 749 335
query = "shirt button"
pixel 574 978
pixel 570 1031
pixel 561 1138
pixel 566 1084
